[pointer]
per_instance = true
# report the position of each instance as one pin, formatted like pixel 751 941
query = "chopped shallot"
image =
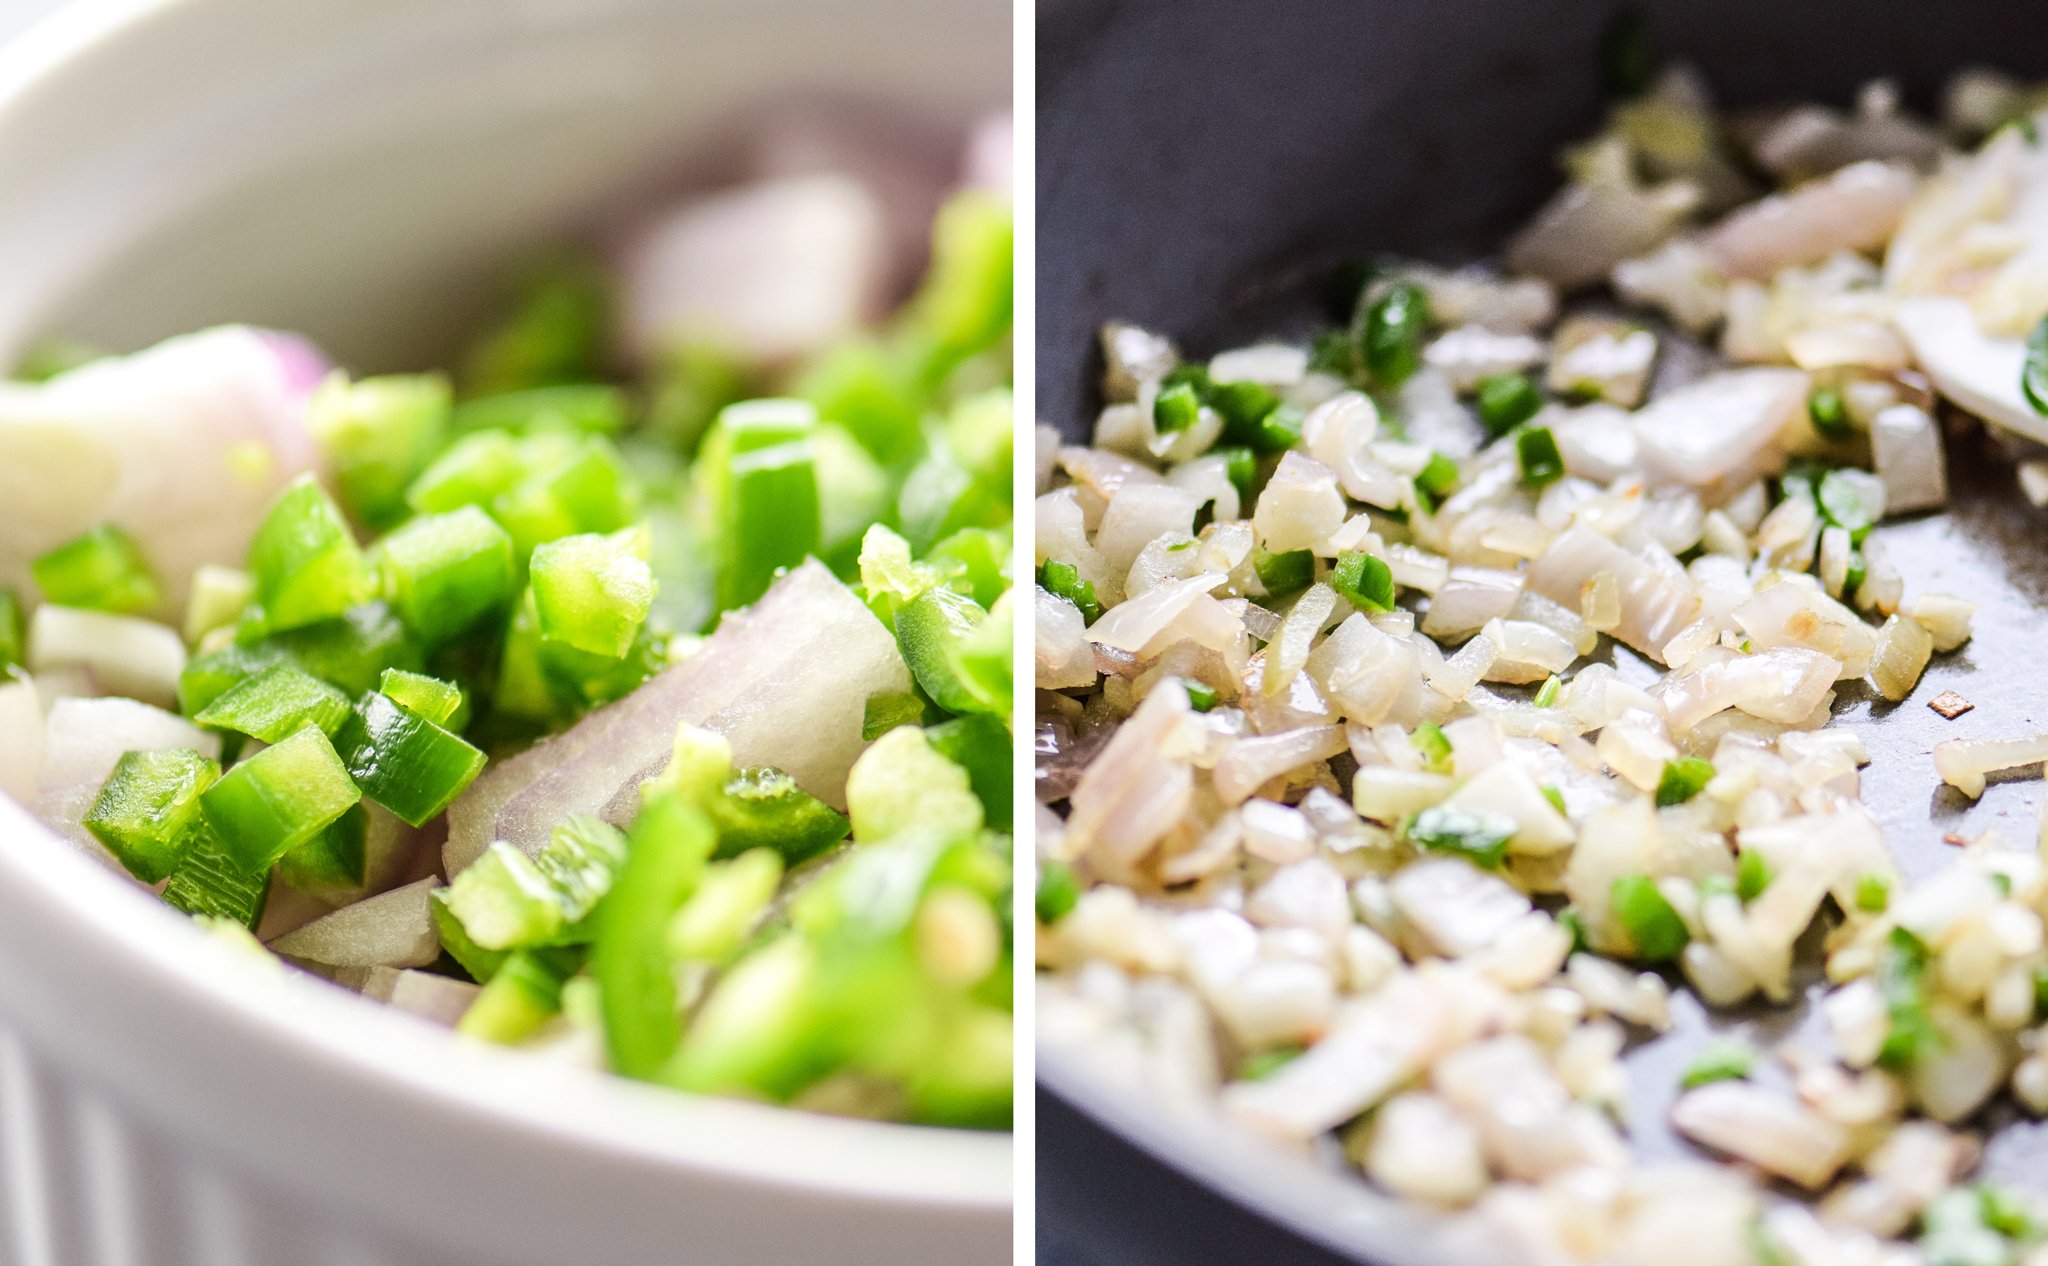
pixel 1963 763
pixel 809 647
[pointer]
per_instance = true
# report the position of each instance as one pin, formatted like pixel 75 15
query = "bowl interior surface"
pixel 1201 167
pixel 360 170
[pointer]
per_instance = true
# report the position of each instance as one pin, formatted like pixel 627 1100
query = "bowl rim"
pixel 278 1017
pixel 293 1018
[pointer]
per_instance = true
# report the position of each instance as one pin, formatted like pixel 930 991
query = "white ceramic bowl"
pixel 341 166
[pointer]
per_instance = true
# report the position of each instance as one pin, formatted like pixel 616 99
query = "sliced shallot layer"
pixel 773 270
pixel 1854 209
pixel 83 739
pixel 786 682
pixel 391 929
pixel 182 447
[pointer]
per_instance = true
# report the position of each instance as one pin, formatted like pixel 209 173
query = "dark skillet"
pixel 1201 164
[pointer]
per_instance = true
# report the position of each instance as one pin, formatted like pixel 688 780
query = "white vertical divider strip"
pixel 1024 122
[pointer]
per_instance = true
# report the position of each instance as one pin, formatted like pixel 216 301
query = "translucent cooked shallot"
pixel 1483 705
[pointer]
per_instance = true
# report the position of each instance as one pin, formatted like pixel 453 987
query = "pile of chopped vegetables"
pixel 639 693
pixel 1419 706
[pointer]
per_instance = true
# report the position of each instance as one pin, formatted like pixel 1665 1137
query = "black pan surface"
pixel 1201 164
